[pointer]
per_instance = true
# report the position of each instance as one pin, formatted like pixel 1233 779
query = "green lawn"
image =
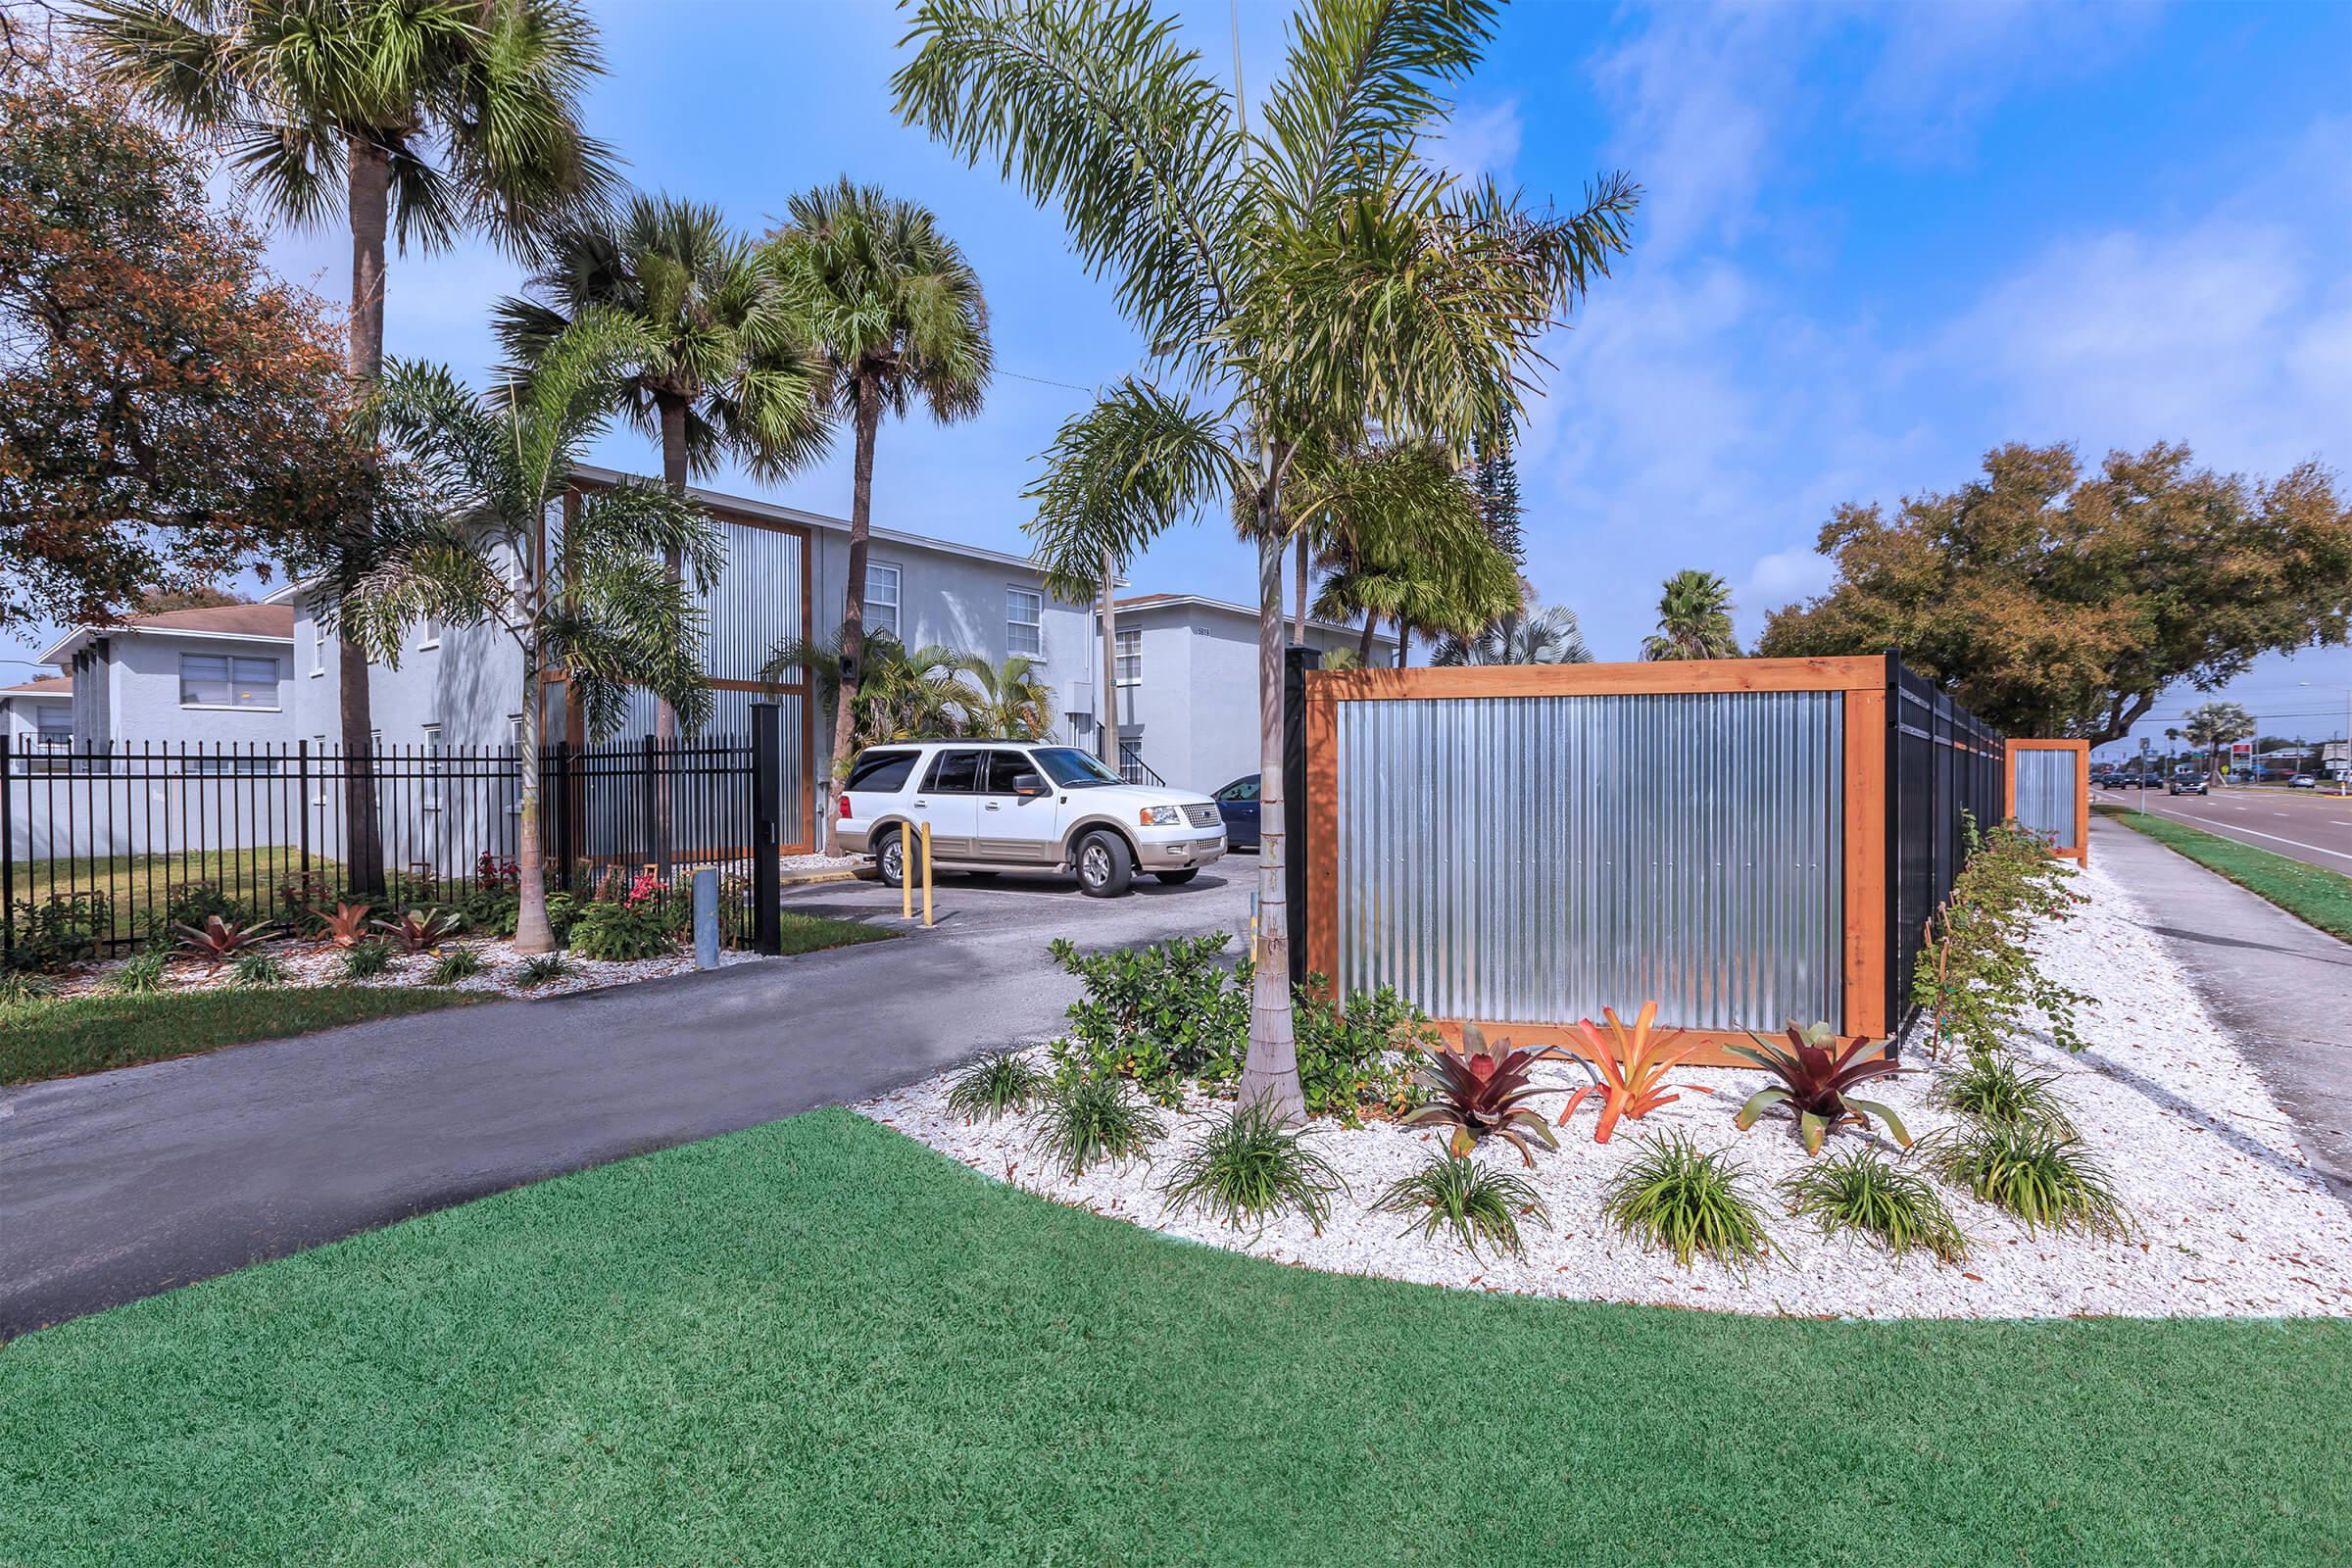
pixel 91 1034
pixel 2309 893
pixel 816 1342
pixel 810 933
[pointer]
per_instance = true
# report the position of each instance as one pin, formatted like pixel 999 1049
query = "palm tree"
pixel 421 120
pixel 1401 536
pixel 896 311
pixel 1694 619
pixel 906 694
pixel 1307 283
pixel 2213 725
pixel 462 538
pixel 1529 635
pixel 1006 699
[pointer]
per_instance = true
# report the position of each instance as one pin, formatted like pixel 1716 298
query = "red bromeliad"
pixel 1482 1090
pixel 1815 1073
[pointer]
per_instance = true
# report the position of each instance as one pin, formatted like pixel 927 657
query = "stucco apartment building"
pixel 215 679
pixel 37 716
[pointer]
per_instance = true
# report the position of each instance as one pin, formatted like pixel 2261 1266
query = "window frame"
pixel 932 784
pixel 1122 662
pixel 895 603
pixel 1035 627
pixel 231 678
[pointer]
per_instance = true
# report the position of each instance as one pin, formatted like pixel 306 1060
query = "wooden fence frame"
pixel 2081 853
pixel 1863 683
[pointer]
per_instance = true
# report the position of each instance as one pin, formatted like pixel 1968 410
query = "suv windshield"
pixel 1072 768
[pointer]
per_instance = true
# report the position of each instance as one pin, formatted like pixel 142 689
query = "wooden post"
pixel 927 876
pixel 907 854
pixel 1867 938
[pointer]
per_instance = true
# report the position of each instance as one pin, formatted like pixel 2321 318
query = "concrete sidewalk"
pixel 123 1184
pixel 2283 988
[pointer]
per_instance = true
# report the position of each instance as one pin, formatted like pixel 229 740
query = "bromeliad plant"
pixel 347 927
pixel 218 941
pixel 1483 1091
pixel 1631 1066
pixel 1817 1076
pixel 419 929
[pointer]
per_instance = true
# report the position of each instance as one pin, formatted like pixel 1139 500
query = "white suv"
pixel 1013 806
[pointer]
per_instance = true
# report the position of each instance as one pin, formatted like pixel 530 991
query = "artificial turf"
pixel 56 1039
pixel 817 1342
pixel 2312 894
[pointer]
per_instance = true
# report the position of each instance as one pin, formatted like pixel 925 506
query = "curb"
pixel 809 879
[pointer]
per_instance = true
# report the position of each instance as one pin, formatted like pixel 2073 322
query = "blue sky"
pixel 1877 241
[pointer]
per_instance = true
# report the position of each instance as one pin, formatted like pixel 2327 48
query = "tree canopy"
pixel 170 415
pixel 2059 603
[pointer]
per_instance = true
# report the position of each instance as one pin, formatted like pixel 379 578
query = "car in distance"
pixel 2189 783
pixel 1237 803
pixel 1022 806
pixel 2303 781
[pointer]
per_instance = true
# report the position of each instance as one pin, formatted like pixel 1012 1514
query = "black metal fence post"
pixel 1296 661
pixel 563 824
pixel 8 849
pixel 767 814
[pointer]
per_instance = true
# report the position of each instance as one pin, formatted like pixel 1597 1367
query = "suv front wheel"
pixel 1104 865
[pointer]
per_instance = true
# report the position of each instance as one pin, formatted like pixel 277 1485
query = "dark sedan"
pixel 1237 803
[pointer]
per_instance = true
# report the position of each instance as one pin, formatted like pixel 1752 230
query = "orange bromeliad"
pixel 1629 1066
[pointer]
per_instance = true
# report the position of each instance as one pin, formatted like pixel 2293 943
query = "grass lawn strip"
pixel 820 1342
pixel 2312 894
pixel 96 1033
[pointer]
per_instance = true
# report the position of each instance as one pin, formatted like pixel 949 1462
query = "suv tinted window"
pixel 1005 768
pixel 955 774
pixel 881 771
pixel 1241 789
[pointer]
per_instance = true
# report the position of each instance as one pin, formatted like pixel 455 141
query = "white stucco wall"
pixel 127 689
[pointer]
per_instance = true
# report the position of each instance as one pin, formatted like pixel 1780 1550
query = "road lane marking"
pixel 2320 849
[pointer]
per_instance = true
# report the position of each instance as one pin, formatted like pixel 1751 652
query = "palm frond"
pixel 1136 464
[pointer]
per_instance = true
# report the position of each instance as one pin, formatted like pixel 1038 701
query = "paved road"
pixel 2281 988
pixel 2301 824
pixel 123 1184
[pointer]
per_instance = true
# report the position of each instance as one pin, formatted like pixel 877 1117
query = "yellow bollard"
pixel 906 875
pixel 927 876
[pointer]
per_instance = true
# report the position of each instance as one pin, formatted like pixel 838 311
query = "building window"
pixel 881 598
pixel 56 725
pixel 225 766
pixel 428 635
pixel 1128 646
pixel 218 680
pixel 436 767
pixel 317 650
pixel 1025 622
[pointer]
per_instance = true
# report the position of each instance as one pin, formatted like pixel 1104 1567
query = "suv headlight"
pixel 1159 816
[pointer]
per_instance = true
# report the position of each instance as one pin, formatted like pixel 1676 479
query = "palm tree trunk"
pixel 370 184
pixel 1404 643
pixel 852 611
pixel 665 717
pixel 532 933
pixel 1363 646
pixel 1107 723
pixel 1299 612
pixel 1271 1070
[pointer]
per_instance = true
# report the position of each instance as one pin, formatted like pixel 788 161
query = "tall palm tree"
pixel 1305 282
pixel 2213 725
pixel 729 376
pixel 1531 633
pixel 1006 699
pixel 896 311
pixel 1694 619
pixel 462 538
pixel 1400 536
pixel 420 120
pixel 906 693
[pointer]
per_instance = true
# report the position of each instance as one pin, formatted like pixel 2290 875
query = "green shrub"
pixel 999 1083
pixel 1163 1015
pixel 260 968
pixel 1975 976
pixel 458 963
pixel 1091 1118
pixel 140 974
pixel 1482 1208
pixel 193 904
pixel 60 930
pixel 2045 1178
pixel 1990 1087
pixel 490 910
pixel 1251 1165
pixel 366 959
pixel 1860 1193
pixel 1676 1197
pixel 622 932
pixel 1359 1057
pixel 541 967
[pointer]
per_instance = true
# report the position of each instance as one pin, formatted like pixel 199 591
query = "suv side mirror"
pixel 1028 784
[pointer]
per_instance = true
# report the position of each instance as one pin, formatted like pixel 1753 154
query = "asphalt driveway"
pixel 122 1184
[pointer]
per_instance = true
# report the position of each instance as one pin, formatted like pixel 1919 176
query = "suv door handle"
pixel 992 805
pixel 920 802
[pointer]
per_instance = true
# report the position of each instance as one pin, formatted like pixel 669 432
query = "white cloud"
pixel 1479 141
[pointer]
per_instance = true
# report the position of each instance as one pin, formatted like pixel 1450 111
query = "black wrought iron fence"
pixel 1944 770
pixel 103 847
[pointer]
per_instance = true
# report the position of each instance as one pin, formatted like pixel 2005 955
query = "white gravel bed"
pixel 313 964
pixel 2231 1221
pixel 803 864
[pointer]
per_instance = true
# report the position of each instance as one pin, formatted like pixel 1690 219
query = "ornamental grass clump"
pixel 994 1086
pixel 1090 1118
pixel 1480 1207
pixel 19 989
pixel 541 967
pixel 260 968
pixel 1861 1193
pixel 1251 1165
pixel 366 960
pixel 141 974
pixel 1677 1198
pixel 2045 1178
pixel 1990 1087
pixel 458 963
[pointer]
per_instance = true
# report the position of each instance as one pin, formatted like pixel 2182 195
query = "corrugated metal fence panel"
pixel 755 603
pixel 1533 859
pixel 2045 793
